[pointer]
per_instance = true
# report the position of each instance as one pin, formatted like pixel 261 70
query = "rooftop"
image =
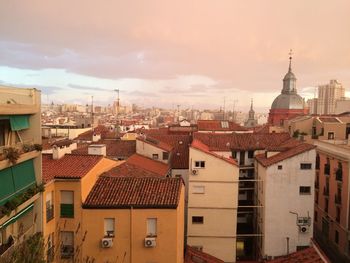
pixel 140 166
pixel 216 125
pixel 193 255
pixel 152 141
pixel 308 255
pixel 137 192
pixel 68 167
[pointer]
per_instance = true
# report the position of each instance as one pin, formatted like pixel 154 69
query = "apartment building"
pixel 212 202
pixel 328 95
pixel 332 185
pixel 68 180
pixel 20 167
pixel 143 224
pixel 285 197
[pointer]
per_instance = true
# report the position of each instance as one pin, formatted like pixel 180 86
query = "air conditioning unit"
pixel 106 242
pixel 194 172
pixel 304 229
pixel 150 242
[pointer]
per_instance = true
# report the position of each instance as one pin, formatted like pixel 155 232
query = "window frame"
pixel 305 166
pixel 149 231
pixel 196 220
pixel 199 164
pixel 67 205
pixel 155 156
pixel 302 189
pixel 106 231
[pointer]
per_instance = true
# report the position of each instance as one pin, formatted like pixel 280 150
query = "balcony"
pixel 326 191
pixel 19 101
pixel 67 251
pixel 49 213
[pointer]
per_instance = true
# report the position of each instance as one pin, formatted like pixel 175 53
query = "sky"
pixel 166 53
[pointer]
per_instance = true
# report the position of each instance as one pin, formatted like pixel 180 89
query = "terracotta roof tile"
pixel 242 141
pixel 69 166
pixel 140 166
pixel 124 192
pixel 204 148
pixel 308 255
pixel 105 132
pixel 215 125
pixel 180 151
pixel 114 148
pixel 152 141
pixel 194 256
pixel 291 152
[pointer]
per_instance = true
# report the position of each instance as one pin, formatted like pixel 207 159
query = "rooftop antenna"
pixel 117 113
pixel 224 108
pixel 290 59
pixel 233 110
pixel 92 114
pixel 178 113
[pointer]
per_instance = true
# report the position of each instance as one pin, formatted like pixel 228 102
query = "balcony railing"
pixel 67 251
pixel 49 213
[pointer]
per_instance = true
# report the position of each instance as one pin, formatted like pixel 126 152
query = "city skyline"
pixel 188 51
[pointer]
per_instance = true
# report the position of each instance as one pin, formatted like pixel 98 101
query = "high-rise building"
pixel 328 94
pixel 20 170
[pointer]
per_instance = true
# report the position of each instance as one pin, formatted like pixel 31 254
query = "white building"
pixel 328 95
pixel 285 193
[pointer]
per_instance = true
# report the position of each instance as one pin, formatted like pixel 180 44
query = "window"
pixel 49 206
pixel 304 190
pixel 109 224
pixel 336 237
pixel 234 154
pixel 67 247
pixel 337 218
pixel 155 156
pixel 165 155
pixel 198 189
pixel 305 166
pixel 250 154
pixel 199 164
pixel 326 205
pixel 67 204
pixel 330 135
pixel 151 226
pixel 279 167
pixel 224 124
pixel 197 220
pixel 316 215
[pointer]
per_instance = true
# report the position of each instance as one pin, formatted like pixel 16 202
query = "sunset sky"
pixel 163 53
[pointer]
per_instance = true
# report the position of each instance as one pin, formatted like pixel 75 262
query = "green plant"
pixel 27 148
pixel 12 154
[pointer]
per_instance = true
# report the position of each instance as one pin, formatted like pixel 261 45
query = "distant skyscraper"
pixel 328 95
pixel 288 104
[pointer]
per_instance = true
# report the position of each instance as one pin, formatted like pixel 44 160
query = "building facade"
pixel 20 167
pixel 328 95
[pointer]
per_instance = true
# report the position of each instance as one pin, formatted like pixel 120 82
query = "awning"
pixel 17 122
pixel 17 216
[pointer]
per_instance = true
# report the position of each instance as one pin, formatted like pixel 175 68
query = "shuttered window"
pixel 67 204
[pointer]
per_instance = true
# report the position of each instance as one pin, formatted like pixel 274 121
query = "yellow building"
pixel 20 167
pixel 68 180
pixel 212 202
pixel 134 220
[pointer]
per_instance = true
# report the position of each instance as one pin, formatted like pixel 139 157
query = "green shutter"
pixel 23 175
pixel 19 122
pixel 67 210
pixel 6 185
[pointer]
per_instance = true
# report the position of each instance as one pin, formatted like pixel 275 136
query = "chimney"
pixel 57 152
pixel 96 137
pixel 97 149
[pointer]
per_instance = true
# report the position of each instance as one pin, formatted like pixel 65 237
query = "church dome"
pixel 288 101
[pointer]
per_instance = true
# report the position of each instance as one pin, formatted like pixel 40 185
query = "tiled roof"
pixel 215 125
pixel 291 152
pixel 194 256
pixel 308 255
pixel 140 166
pixel 156 143
pixel 141 192
pixel 68 167
pixel 180 152
pixel 105 132
pixel 242 141
pixel 114 148
pixel 62 143
pixel 204 148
